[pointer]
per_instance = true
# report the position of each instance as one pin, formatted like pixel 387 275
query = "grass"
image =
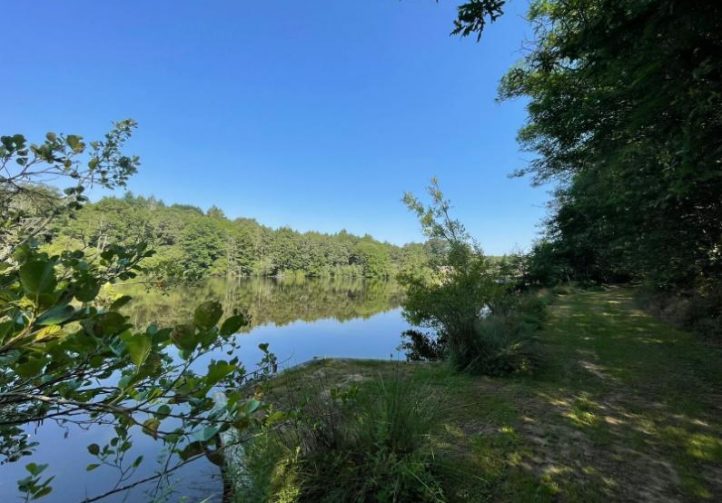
pixel 626 408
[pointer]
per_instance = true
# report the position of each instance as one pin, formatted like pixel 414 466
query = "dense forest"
pixel 191 244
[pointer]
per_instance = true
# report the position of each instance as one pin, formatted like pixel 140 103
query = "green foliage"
pixel 357 444
pixel 66 359
pixel 699 310
pixel 26 209
pixel 472 16
pixel 190 244
pixel 466 298
pixel 624 112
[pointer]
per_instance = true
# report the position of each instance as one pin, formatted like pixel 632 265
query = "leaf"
pixel 207 314
pixel 192 449
pixel 47 333
pixel 86 288
pixel 74 143
pixel 275 418
pixel 120 302
pixel 250 406
pixel 56 315
pixel 150 427
pixel 94 449
pixel 206 433
pixel 217 371
pixel 138 346
pixel 232 325
pixel 35 469
pixel 184 337
pixel 91 467
pixel 30 368
pixel 110 323
pixel 163 410
pixel 38 278
pixel 44 491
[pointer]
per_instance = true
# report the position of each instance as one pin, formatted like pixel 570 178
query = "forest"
pixel 191 244
pixel 585 368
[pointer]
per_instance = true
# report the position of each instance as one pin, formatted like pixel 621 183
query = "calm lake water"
pixel 299 319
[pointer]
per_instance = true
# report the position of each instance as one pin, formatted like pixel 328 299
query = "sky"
pixel 316 115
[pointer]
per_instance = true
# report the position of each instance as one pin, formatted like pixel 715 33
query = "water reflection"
pixel 299 319
pixel 267 301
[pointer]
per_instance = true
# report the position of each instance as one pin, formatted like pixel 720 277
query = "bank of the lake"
pixel 625 408
pixel 300 319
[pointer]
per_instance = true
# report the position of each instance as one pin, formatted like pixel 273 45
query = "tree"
pixel 624 112
pixel 450 299
pixel 67 360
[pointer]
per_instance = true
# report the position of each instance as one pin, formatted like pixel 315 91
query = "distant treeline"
pixel 189 242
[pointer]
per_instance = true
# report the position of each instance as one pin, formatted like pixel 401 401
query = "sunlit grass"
pixel 623 408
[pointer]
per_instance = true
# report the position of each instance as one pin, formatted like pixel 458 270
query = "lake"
pixel 300 319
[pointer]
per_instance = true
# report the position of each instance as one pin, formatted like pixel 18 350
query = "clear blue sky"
pixel 315 114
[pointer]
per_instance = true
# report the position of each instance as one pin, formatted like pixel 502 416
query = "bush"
pixel 356 445
pixel 480 320
pixel 501 343
pixel 699 310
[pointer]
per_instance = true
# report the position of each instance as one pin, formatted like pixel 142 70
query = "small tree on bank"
pixel 462 297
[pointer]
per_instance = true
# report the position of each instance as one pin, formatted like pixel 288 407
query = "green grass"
pixel 625 408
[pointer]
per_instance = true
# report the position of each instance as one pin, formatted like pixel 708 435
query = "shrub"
pixel 699 310
pixel 503 342
pixel 357 445
pixel 481 323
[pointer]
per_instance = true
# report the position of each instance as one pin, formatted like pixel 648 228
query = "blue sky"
pixel 316 115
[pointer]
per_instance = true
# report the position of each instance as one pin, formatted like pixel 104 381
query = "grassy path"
pixel 625 409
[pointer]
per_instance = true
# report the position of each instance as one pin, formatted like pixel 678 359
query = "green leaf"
pixel 35 469
pixel 110 323
pixel 207 314
pixel 56 315
pixel 120 302
pixel 86 288
pixel 250 406
pixel 206 433
pixel 74 143
pixel 150 427
pixel 232 325
pixel 38 278
pixel 184 337
pixel 138 346
pixel 217 371
pixel 163 410
pixel 31 368
pixel 192 449
pixel 94 449
pixel 91 467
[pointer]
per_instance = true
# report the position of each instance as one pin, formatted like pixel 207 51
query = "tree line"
pixel 191 243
